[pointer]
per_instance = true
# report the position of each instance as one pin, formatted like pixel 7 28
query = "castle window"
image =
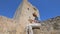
pixel 28 8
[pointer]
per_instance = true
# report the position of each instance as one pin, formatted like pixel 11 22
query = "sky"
pixel 47 8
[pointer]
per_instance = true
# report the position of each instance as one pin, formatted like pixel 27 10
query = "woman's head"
pixel 35 14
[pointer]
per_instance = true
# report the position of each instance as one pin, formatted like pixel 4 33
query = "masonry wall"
pixel 50 26
pixel 26 13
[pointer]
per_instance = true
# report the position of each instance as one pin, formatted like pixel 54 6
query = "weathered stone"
pixel 18 24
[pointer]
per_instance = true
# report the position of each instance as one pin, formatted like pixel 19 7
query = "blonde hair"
pixel 35 14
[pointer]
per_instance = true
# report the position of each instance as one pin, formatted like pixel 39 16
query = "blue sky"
pixel 47 8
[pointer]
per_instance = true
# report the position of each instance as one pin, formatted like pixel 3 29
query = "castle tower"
pixel 25 7
pixel 23 13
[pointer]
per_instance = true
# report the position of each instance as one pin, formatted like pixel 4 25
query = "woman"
pixel 36 18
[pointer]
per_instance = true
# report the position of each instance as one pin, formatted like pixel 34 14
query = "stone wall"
pixel 50 26
pixel 7 25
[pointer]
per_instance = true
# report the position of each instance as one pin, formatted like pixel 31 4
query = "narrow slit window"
pixel 28 8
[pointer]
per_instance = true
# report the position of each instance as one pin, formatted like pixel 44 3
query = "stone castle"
pixel 24 22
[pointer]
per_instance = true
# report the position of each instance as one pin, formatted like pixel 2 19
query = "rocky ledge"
pixel 50 26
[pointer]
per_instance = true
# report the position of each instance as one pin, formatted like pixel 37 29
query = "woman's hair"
pixel 34 14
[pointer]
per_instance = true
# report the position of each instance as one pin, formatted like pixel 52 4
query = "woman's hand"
pixel 30 20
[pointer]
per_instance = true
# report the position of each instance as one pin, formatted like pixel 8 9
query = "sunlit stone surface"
pixel 20 22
